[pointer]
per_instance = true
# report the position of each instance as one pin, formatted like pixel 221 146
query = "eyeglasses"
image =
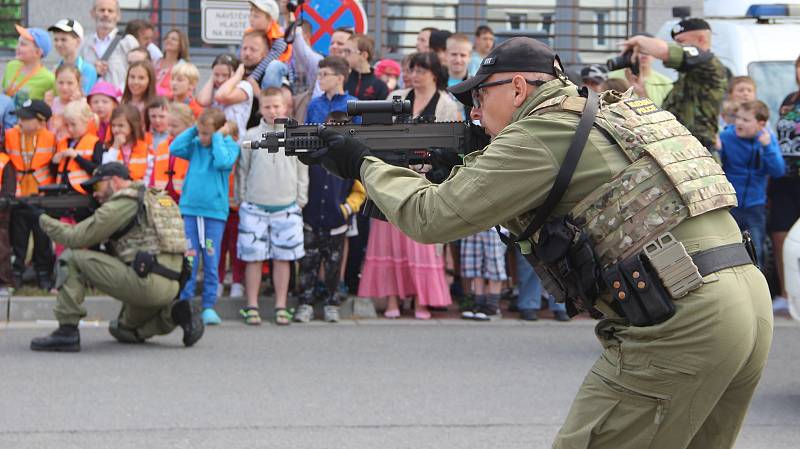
pixel 347 52
pixel 477 91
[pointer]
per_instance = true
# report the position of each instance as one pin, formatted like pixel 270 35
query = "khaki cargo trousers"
pixel 147 302
pixel 685 383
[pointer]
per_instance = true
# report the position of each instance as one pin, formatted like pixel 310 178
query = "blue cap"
pixel 39 37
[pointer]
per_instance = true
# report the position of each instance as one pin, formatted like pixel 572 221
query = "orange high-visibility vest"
pixel 4 160
pixel 94 128
pixel 85 148
pixel 43 153
pixel 169 171
pixel 137 164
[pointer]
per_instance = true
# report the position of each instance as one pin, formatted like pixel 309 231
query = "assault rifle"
pixel 56 199
pixel 386 128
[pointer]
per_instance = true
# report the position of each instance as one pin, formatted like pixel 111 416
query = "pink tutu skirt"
pixel 395 265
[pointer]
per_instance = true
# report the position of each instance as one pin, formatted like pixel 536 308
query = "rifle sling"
pixel 568 166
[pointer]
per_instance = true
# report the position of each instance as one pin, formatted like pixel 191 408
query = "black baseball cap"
pixel 690 24
pixel 107 170
pixel 518 54
pixel 34 109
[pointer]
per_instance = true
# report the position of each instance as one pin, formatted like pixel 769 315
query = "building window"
pixel 440 11
pixel 602 27
pixel 134 4
pixel 547 23
pixel 516 21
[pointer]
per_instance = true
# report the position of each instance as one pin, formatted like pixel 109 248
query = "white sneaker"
pixel 304 313
pixel 779 304
pixel 794 307
pixel 331 314
pixel 237 290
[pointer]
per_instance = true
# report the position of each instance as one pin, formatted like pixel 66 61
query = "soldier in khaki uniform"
pixel 641 232
pixel 143 229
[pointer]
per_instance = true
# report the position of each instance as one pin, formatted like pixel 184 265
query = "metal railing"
pixel 581 31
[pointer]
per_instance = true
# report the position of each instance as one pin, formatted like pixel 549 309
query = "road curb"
pixel 104 308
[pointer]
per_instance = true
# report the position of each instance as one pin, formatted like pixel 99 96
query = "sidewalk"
pixel 16 309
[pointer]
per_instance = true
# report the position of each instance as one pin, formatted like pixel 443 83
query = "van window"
pixel 774 81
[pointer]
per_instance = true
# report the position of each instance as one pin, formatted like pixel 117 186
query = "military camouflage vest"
pixel 671 176
pixel 158 226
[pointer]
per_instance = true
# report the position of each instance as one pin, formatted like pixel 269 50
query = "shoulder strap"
pixel 112 46
pixel 127 228
pixel 567 169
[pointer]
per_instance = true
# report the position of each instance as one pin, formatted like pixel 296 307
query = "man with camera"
pixel 697 94
pixel 645 81
pixel 144 267
pixel 619 219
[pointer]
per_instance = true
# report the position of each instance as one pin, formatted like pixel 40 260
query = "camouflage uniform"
pixel 146 301
pixel 697 95
pixel 671 385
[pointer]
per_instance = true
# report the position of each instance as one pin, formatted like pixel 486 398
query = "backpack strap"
pixel 568 165
pixel 112 46
pixel 125 229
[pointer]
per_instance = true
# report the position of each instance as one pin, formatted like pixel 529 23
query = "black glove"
pixel 32 210
pixel 342 155
pixel 442 162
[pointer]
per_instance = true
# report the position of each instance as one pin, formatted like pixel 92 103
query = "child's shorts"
pixel 269 235
pixel 483 255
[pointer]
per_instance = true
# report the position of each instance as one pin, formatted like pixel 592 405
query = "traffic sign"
pixel 224 22
pixel 325 16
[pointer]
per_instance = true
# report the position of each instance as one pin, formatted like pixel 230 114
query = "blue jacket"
pixel 326 194
pixel 320 107
pixel 748 164
pixel 205 188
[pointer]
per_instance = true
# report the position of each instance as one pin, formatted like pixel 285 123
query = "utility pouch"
pixel 678 273
pixel 638 292
pixel 566 252
pixel 143 263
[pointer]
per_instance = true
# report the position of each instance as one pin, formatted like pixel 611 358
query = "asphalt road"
pixel 372 384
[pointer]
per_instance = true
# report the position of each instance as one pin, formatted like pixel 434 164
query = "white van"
pixel 763 48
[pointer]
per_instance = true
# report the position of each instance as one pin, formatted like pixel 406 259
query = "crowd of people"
pixel 116 96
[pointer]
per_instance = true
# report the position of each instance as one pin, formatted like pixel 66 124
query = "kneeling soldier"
pixel 144 268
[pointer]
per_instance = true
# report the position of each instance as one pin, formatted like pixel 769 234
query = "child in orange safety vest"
pixel 30 148
pixel 127 145
pixel 8 187
pixel 169 171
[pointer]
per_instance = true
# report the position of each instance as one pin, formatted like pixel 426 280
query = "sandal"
pixel 250 316
pixel 282 317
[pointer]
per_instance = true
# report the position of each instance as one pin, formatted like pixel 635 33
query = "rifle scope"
pixel 395 106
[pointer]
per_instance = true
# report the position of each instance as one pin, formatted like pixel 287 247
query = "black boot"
pixel 44 280
pixel 123 334
pixel 64 339
pixel 16 279
pixel 188 317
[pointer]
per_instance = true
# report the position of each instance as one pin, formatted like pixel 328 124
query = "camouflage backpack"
pixel 157 228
